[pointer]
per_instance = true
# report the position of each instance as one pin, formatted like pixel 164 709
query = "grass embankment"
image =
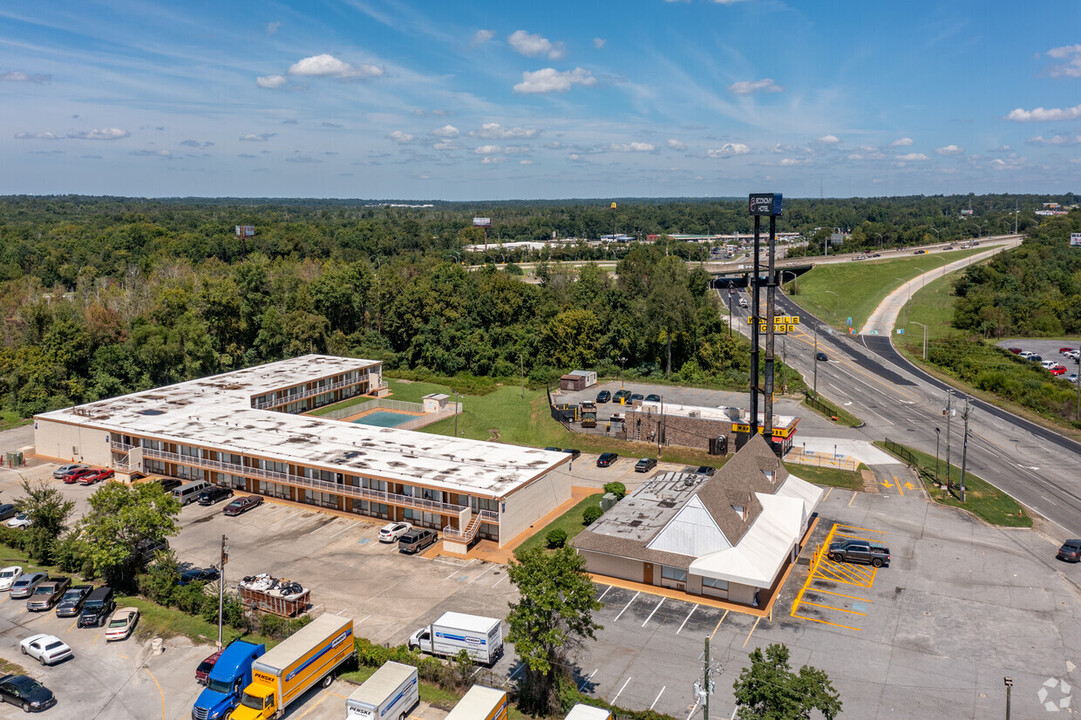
pixel 832 477
pixel 9 419
pixel 982 499
pixel 835 293
pixel 570 522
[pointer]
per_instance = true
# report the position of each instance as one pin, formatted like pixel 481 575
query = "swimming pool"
pixel 383 418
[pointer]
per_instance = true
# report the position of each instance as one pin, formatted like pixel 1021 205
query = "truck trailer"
pixel 481 703
pixel 581 711
pixel 481 637
pixel 225 681
pixel 308 656
pixel 389 694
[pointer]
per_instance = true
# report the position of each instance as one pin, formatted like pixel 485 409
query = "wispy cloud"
pixel 496 131
pixel 599 43
pixel 912 157
pixel 1072 55
pixel 901 142
pixel 1045 114
pixel 196 144
pixel 326 65
pixel 949 150
pixel 447 131
pixel 271 81
pixel 102 134
pixel 272 27
pixel 632 147
pixel 482 36
pixel 749 87
pixel 401 137
pixel 728 150
pixel 20 76
pixel 35 136
pixel 676 144
pixel 1056 140
pixel 551 80
pixel 535 45
pixel 829 139
pixel 257 137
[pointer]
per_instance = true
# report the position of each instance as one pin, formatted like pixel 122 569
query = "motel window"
pixel 714 583
pixel 672 573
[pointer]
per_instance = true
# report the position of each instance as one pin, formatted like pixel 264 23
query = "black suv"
pixel 213 495
pixel 607 459
pixel 72 603
pixel 416 540
pixel 97 607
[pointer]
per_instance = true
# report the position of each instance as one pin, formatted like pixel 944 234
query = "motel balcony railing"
pixel 309 392
pixel 353 491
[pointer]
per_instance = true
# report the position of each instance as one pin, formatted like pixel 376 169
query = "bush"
pixel 616 488
pixel 68 554
pixel 556 538
pixel 591 514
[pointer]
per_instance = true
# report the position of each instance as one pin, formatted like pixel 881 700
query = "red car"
pixel 1058 370
pixel 1015 351
pixel 96 476
pixel 1065 350
pixel 79 475
pixel 203 671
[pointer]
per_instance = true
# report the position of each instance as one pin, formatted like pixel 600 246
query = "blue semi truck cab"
pixel 231 674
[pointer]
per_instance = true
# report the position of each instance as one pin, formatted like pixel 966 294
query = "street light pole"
pixel 221 586
pixel 815 387
pixel 622 360
pixel 938 436
pixel 924 337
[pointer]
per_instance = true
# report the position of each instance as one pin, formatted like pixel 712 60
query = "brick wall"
pixel 682 431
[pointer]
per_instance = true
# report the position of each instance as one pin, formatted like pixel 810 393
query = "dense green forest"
pixel 102 296
pixel 1034 291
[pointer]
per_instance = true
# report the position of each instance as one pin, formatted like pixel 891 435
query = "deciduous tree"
pixel 769 690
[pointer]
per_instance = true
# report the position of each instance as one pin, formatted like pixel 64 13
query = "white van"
pixel 189 491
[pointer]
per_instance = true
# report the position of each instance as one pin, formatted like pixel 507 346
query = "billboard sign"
pixel 1075 239
pixel 764 204
pixel 245 231
pixel 482 222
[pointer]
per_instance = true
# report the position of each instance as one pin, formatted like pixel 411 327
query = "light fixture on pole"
pixel 924 337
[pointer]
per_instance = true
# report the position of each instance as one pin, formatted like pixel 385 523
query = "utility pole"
pixel 1008 682
pixel 754 332
pixel 521 368
pixel 771 311
pixel 964 448
pixel 221 585
pixel 704 688
pixel 949 410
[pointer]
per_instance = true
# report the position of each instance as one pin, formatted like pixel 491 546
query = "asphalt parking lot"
pixel 961 606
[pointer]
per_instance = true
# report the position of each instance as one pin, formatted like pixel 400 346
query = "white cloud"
pixel 443 145
pixel 535 45
pixel 788 162
pixel 400 137
pixel 447 131
pixel 912 157
pixel 525 162
pixel 599 43
pixel 901 142
pixel 35 136
pixel 1072 55
pixel 632 147
pixel 482 36
pixel 491 160
pixel 152 153
pixel 727 2
pixel 260 137
pixel 676 144
pixel 196 143
pixel 302 159
pixel 1056 140
pixel 728 150
pixel 1041 114
pixel 270 81
pixel 495 131
pixel 552 80
pixel 747 87
pixel 829 139
pixel 102 134
pixel 488 150
pixel 20 76
pixel 272 27
pixel 329 66
pixel 949 150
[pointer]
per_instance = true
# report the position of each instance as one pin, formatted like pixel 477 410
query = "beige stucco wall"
pixel 741 593
pixel 72 442
pixel 613 566
pixel 532 502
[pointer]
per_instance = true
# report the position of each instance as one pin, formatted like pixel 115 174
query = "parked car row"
pixel 83 474
pixel 1052 366
pixel 91 604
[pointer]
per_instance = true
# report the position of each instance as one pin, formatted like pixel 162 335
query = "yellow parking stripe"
pixel 718 625
pixel 830 607
pixel 826 622
pixel 757 620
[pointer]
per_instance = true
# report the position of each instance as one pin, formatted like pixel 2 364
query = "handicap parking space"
pixel 838 593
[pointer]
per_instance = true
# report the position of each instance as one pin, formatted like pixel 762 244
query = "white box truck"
pixel 481 703
pixel 389 694
pixel 581 711
pixel 481 637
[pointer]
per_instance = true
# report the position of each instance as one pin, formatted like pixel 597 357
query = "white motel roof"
pixel 216 413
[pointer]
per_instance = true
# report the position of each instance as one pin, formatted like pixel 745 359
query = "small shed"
pixel 578 380
pixel 435 402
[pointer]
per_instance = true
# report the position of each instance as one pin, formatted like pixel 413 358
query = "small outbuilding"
pixel 578 380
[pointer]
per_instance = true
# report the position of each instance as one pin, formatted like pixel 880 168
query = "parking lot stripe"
pixel 658 696
pixel 604 593
pixel 827 592
pixel 322 696
pixel 628 604
pixel 693 608
pixel 586 679
pixel 362 619
pixel 160 691
pixel 718 625
pixel 73 624
pixel 861 529
pixel 613 700
pixel 654 611
pixel 826 622
pixel 827 497
pixel 753 628
pixel 852 498
pixel 830 607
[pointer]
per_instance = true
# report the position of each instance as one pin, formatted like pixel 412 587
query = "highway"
pixel 899 402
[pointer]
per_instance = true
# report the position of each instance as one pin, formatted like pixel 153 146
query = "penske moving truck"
pixel 306 657
pixel 581 711
pixel 481 703
pixel 389 694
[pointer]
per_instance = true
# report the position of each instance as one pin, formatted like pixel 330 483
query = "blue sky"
pixel 493 100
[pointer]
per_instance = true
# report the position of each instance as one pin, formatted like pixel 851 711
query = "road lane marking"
pixel 755 627
pixel 613 702
pixel 693 608
pixel 604 593
pixel 718 625
pixel 627 605
pixel 654 611
pixel 658 696
pixel 899 488
pixel 160 691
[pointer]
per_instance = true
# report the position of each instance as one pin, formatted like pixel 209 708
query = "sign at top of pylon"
pixel 765 204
